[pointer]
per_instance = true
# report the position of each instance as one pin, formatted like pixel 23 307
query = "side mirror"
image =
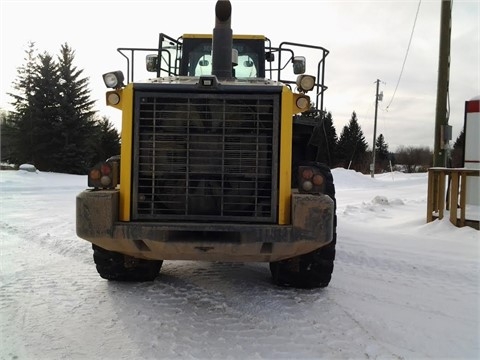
pixel 299 65
pixel 152 62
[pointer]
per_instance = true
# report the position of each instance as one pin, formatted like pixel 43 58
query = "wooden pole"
pixel 441 114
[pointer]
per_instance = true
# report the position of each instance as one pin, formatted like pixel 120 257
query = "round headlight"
pixel 113 98
pixel 303 102
pixel 305 82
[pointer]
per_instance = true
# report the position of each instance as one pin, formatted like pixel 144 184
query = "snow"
pixel 401 288
pixel 27 167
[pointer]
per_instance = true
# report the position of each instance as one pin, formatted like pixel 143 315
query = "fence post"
pixel 454 198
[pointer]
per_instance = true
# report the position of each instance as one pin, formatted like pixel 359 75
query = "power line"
pixel 406 55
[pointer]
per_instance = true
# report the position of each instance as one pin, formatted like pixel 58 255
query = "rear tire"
pixel 312 270
pixel 118 267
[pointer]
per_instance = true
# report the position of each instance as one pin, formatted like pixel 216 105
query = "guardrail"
pixel 449 194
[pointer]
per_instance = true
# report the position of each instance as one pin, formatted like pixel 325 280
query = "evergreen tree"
pixel 381 153
pixel 44 132
pixel 76 117
pixel 23 85
pixel 7 138
pixel 326 141
pixel 459 150
pixel 352 146
pixel 16 128
pixel 35 110
pixel 53 126
pixel 107 140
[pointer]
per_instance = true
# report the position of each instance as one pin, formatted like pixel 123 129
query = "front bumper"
pixel 311 228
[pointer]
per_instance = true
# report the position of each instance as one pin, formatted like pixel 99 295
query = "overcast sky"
pixel 367 41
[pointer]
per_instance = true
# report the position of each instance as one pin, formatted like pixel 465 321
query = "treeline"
pixel 351 151
pixel 54 125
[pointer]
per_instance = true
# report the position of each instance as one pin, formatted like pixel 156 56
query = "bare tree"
pixel 414 159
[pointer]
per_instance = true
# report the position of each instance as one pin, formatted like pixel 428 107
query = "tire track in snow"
pixel 220 314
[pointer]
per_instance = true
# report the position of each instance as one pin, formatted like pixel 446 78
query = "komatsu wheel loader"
pixel 218 160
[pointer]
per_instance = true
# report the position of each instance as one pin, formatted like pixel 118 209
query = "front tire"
pixel 118 267
pixel 312 270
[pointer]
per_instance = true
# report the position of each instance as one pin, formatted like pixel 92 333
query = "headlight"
pixel 305 82
pixel 303 102
pixel 113 80
pixel 310 180
pixel 113 98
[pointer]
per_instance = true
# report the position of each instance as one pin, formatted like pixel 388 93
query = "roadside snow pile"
pixel 381 200
pixel 350 179
pixel 49 182
pixel 27 167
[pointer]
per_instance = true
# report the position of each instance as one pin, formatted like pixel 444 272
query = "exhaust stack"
pixel 222 42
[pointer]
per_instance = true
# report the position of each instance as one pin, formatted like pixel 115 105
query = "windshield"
pixel 200 59
pixel 202 65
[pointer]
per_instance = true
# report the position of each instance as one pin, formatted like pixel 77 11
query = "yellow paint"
pixel 285 154
pixel 285 168
pixel 126 104
pixel 235 36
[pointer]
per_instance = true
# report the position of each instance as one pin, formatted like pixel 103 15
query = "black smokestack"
pixel 222 41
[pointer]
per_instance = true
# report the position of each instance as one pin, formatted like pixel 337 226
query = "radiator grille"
pixel 205 157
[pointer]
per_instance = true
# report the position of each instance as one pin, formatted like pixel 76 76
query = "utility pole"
pixel 372 165
pixel 443 132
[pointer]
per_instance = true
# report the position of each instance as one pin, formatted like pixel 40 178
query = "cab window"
pixel 197 59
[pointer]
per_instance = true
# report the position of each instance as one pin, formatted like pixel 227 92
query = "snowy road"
pixel 401 289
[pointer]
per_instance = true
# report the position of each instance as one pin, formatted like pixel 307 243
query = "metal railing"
pixel 447 190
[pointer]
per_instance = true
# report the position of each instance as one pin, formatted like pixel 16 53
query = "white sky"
pixel 367 41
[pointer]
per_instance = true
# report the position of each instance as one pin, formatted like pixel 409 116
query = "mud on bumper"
pixel 311 228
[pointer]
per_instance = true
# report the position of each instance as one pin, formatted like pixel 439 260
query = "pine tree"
pixel 23 85
pixel 381 153
pixel 35 110
pixel 351 147
pixel 458 150
pixel 7 137
pixel 20 121
pixel 45 128
pixel 107 140
pixel 327 141
pixel 53 126
pixel 76 117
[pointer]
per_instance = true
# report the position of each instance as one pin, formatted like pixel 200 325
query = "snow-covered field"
pixel 401 288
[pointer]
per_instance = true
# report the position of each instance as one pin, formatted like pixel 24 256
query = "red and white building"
pixel 472 148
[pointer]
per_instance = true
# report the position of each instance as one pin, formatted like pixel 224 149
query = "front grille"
pixel 205 157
